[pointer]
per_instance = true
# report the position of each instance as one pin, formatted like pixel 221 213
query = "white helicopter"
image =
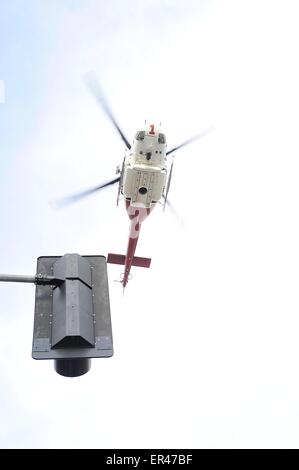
pixel 143 180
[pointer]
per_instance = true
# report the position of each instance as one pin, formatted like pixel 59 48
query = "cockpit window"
pixel 140 135
pixel 161 139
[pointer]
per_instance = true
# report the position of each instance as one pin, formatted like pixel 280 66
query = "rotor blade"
pixel 76 197
pixel 189 141
pixel 176 215
pixel 91 81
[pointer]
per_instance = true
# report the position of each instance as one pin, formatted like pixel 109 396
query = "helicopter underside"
pixel 143 185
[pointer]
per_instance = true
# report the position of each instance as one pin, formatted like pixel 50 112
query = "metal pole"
pixel 15 278
pixel 39 279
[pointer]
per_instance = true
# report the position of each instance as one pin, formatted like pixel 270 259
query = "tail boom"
pixel 130 259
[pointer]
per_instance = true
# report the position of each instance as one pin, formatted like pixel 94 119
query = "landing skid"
pixel 168 186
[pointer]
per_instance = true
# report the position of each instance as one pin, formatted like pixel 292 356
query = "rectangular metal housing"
pixel 73 320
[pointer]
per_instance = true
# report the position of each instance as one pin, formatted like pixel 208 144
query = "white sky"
pixel 205 342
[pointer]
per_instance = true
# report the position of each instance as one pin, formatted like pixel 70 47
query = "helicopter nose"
pixel 148 155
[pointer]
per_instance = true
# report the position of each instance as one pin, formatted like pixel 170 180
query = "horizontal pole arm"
pixel 39 279
pixel 14 278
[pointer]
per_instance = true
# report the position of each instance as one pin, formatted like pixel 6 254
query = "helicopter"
pixel 143 179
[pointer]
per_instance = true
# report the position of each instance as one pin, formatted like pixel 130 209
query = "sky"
pixel 205 341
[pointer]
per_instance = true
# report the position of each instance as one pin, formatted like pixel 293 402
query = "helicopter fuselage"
pixel 145 169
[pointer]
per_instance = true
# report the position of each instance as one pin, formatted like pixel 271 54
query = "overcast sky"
pixel 206 341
